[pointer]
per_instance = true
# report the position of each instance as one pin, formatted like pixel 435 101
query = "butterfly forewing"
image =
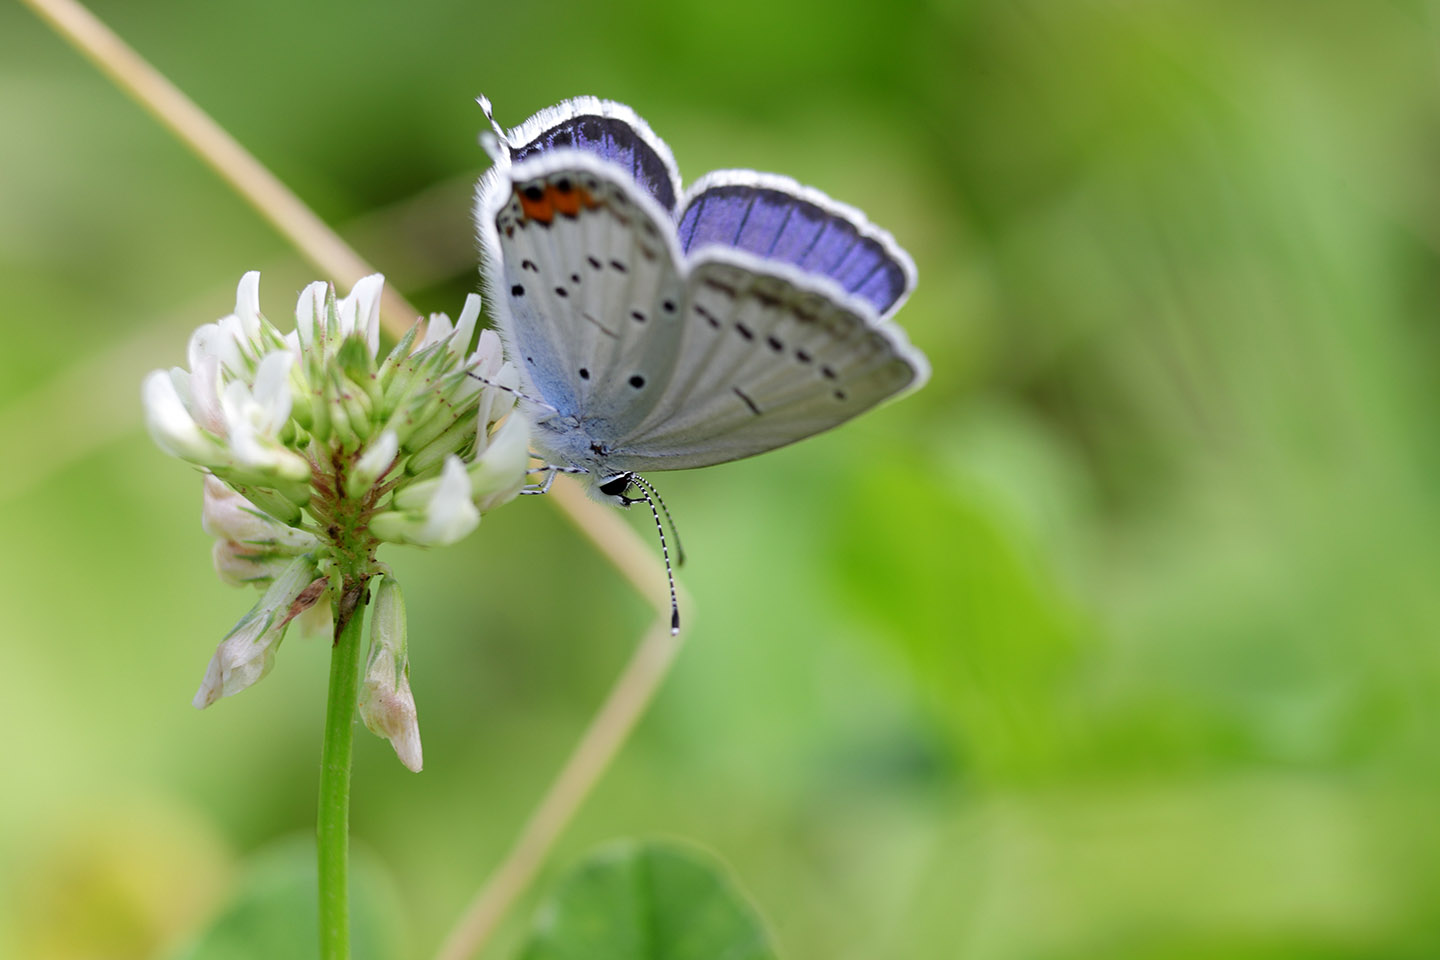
pixel 608 130
pixel 592 287
pixel 768 356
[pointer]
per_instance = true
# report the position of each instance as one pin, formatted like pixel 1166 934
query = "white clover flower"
pixel 250 546
pixel 248 652
pixel 316 448
pixel 386 704
pixel 171 424
pixel 433 513
pixel 255 418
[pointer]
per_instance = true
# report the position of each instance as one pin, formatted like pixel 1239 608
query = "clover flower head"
pixel 316 448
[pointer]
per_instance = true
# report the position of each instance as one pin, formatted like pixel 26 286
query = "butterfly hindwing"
pixel 777 219
pixel 768 356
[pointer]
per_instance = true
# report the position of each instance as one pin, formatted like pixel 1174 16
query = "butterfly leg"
pixel 550 470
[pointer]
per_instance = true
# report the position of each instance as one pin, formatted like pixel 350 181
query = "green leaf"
pixel 648 901
pixel 273 912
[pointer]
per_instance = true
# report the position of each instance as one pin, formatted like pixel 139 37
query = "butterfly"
pixel 661 330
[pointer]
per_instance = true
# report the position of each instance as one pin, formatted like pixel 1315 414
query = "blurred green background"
pixel 1118 640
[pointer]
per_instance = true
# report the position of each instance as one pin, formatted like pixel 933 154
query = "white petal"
pixel 205 393
pixel 247 304
pixel 240 565
pixel 253 438
pixel 360 312
pixel 203 343
pixel 497 475
pixel 431 513
pixel 450 515
pixel 209 690
pixel 496 403
pixel 310 311
pixel 232 346
pixel 248 652
pixel 315 621
pixel 386 704
pixel 470 312
pixel 407 740
pixel 487 356
pixel 225 514
pixel 373 463
pixel 465 326
pixel 228 516
pixel 180 380
pixel 272 389
pixel 171 425
pixel 388 709
pixel 367 320
pixel 437 328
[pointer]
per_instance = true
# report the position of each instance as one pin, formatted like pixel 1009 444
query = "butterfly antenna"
pixel 665 552
pixel 650 489
pixel 513 392
pixel 496 144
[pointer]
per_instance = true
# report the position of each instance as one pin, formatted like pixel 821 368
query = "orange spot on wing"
pixel 542 210
pixel 570 201
pixel 554 200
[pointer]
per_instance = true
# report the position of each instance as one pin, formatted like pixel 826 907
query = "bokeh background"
pixel 1118 640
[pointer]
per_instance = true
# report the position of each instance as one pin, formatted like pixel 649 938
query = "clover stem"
pixel 333 820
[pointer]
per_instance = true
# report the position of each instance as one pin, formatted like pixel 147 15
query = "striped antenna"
pixel 650 489
pixel 512 391
pixel 646 489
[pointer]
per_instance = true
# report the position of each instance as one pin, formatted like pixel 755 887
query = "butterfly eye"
pixel 617 486
pixel 637 381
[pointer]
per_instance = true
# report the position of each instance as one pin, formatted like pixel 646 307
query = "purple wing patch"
pixel 778 225
pixel 612 139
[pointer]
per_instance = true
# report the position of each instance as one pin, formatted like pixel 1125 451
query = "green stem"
pixel 333 826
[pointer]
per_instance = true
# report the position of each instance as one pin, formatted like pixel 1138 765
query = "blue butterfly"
pixel 656 330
